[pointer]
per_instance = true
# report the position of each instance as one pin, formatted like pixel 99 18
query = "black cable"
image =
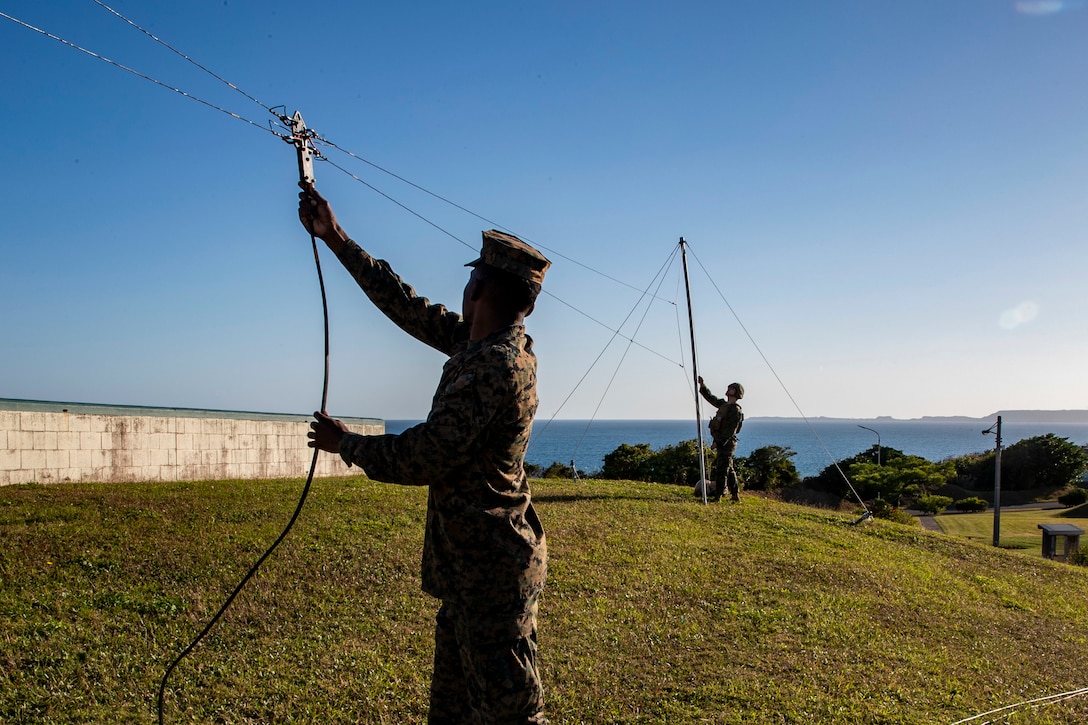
pixel 294 517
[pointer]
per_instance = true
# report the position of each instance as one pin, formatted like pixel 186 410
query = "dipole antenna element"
pixel 302 138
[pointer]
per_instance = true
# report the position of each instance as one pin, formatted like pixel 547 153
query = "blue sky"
pixel 884 203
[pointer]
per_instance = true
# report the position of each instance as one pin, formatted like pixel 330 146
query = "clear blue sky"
pixel 885 203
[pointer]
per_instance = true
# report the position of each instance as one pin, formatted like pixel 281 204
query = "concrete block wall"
pixel 46 442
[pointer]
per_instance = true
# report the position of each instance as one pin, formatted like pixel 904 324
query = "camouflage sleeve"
pixel 710 397
pixel 432 325
pixel 450 439
pixel 734 419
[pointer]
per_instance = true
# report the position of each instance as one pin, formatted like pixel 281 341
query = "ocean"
pixel 816 443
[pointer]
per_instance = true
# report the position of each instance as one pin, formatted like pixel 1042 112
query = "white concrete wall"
pixel 55 442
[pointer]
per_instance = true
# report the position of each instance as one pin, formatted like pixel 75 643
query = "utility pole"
pixel 996 430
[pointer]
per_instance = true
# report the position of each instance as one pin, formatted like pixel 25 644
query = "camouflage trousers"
pixel 485 669
pixel 724 474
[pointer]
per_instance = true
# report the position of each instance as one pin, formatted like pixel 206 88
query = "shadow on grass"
pixel 1077 512
pixel 572 497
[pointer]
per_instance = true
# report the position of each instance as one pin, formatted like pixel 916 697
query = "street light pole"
pixel 877 442
pixel 996 430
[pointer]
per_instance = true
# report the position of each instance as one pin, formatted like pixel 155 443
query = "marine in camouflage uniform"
pixel 724 427
pixel 484 550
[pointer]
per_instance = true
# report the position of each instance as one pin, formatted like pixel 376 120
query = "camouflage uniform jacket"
pixel 484 544
pixel 727 422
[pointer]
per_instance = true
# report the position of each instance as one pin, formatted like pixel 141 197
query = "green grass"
pixel 658 610
pixel 1019 528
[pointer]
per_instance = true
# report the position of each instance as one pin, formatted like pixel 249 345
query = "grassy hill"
pixel 658 610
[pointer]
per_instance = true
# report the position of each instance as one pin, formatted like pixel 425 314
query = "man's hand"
pixel 318 219
pixel 700 379
pixel 326 433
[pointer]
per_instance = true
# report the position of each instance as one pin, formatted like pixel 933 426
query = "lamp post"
pixel 877 442
pixel 996 430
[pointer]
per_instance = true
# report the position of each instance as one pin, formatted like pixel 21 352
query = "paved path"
pixel 929 523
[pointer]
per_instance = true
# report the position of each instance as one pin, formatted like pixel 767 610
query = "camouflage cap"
pixel 510 254
pixel 739 388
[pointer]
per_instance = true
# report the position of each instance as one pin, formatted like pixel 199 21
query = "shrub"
pixel 1074 498
pixel 676 464
pixel 897 476
pixel 627 463
pixel 768 468
pixel 558 470
pixel 973 503
pixel 883 510
pixel 933 504
pixel 1045 461
pixel 880 508
pixel 899 516
pixel 830 479
pixel 1080 556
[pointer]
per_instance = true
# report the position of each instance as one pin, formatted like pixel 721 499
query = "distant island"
pixel 1078 417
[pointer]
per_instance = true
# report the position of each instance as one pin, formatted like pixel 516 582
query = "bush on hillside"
pixel 905 477
pixel 882 509
pixel 967 468
pixel 677 464
pixel 1045 461
pixel 768 469
pixel 627 463
pixel 1074 498
pixel 933 505
pixel 765 469
pixel 896 477
pixel 830 479
pixel 972 504
pixel 557 470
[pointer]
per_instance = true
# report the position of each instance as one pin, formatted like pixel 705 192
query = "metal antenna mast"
pixel 694 371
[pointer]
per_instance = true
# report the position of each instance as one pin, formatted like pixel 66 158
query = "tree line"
pixel 886 477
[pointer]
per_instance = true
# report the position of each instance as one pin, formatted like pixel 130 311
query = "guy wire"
pixel 454 237
pixel 781 383
pixel 402 179
pixel 1034 703
pixel 322 157
pixel 616 333
pixel 660 276
pixel 1018 707
pixel 178 52
pixel 134 72
pixel 455 205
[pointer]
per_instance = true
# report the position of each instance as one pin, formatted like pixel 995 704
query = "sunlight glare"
pixel 1046 7
pixel 1022 314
